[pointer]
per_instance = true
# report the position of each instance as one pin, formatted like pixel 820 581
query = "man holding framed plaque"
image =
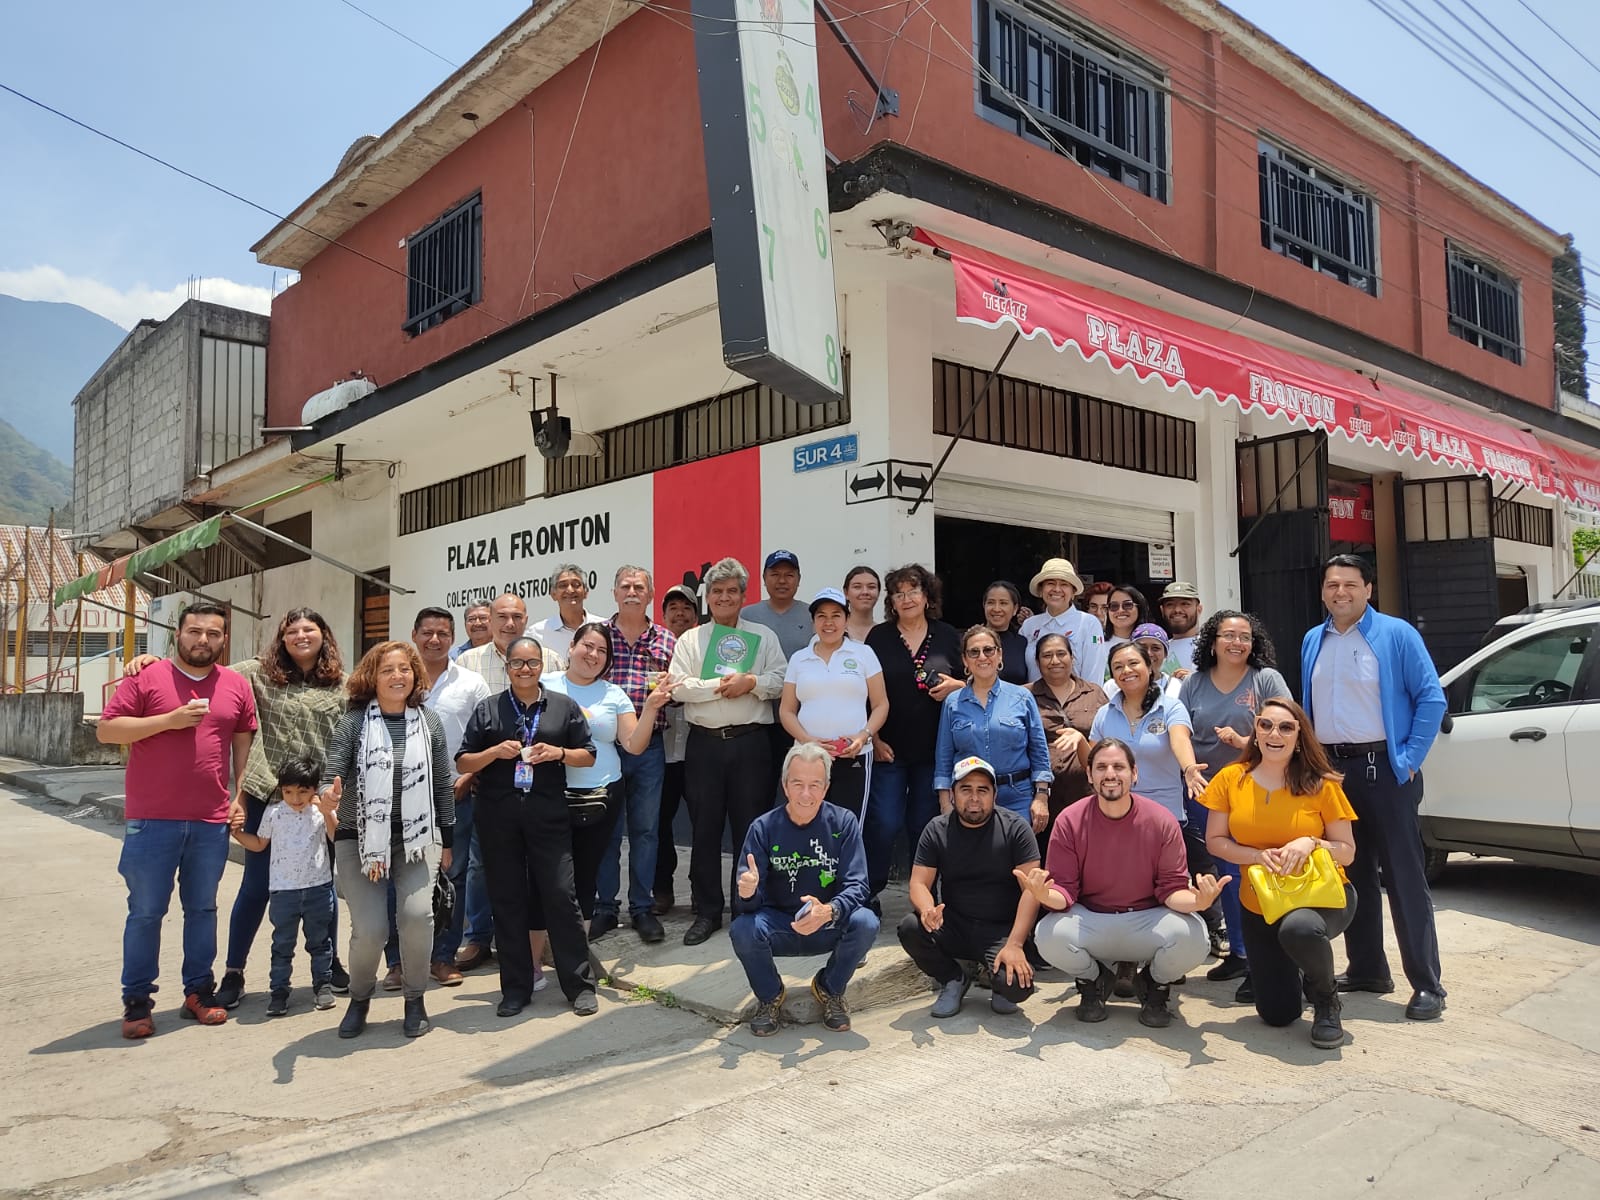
pixel 731 671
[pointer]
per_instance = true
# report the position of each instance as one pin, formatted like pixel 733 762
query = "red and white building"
pixel 1259 322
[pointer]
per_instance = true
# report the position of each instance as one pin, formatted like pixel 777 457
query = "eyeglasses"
pixel 1243 639
pixel 1263 725
pixel 523 664
pixel 982 652
pixel 1122 606
pixel 907 594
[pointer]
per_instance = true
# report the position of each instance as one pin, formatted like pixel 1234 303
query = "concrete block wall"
pixel 48 728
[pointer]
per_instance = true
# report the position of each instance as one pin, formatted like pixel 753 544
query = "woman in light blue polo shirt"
pixel 1155 724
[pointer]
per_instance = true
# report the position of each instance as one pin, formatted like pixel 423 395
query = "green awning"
pixel 196 537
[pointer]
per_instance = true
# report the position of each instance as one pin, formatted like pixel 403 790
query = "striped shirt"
pixel 342 750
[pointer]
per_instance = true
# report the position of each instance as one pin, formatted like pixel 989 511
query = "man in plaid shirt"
pixel 640 650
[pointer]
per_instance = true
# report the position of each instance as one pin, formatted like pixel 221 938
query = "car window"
pixel 1538 671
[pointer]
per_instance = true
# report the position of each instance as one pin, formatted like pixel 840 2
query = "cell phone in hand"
pixel 805 911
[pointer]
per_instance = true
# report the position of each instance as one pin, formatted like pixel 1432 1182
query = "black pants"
pixel 727 784
pixel 936 953
pixel 666 846
pixel 847 784
pixel 527 853
pixel 589 844
pixel 1294 958
pixel 1388 835
pixel 779 742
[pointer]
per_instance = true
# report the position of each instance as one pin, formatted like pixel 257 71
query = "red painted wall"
pixel 634 185
pixel 690 534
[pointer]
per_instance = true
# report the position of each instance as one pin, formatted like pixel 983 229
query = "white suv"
pixel 1515 771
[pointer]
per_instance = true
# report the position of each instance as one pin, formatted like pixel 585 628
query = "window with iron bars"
pixel 750 416
pixel 1485 308
pixel 1102 108
pixel 1313 218
pixel 1032 416
pixel 488 490
pixel 444 267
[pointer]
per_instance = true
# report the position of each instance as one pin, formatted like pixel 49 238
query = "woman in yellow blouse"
pixel 1277 804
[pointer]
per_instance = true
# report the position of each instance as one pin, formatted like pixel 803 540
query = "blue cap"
pixel 829 596
pixel 778 557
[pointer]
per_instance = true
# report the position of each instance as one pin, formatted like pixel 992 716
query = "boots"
pixel 355 1019
pixel 1092 995
pixel 416 1021
pixel 1153 999
pixel 1326 1031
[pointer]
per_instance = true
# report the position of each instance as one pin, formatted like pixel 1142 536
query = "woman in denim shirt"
pixel 999 722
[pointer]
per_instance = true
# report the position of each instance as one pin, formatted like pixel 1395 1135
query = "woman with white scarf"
pixel 390 773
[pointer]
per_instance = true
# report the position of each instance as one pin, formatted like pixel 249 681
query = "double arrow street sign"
pixel 886 479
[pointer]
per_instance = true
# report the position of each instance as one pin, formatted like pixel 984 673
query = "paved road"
pixel 1499 1098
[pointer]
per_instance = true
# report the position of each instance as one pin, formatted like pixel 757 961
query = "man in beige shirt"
pixel 726 763
pixel 508 619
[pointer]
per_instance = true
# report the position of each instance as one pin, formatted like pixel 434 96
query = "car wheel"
pixel 1433 863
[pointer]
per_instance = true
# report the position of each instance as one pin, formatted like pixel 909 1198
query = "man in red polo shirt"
pixel 187 721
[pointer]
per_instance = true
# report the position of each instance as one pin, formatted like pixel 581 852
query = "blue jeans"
pixel 250 904
pixel 447 940
pixel 1198 815
pixel 154 853
pixel 765 934
pixel 291 910
pixel 478 927
pixel 902 798
pixel 641 798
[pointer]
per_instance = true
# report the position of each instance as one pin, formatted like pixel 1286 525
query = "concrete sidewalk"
pixel 704 979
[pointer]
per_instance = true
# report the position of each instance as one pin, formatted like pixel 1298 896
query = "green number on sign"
pixel 833 359
pixel 758 119
pixel 820 228
pixel 772 247
pixel 811 109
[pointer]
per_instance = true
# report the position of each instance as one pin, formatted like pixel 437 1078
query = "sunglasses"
pixel 1263 725
pixel 983 652
pixel 1122 606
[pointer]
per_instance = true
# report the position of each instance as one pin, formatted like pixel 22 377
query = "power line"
pixel 1561 36
pixel 1540 67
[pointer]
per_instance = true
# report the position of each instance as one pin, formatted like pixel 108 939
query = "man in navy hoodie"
pixel 803 891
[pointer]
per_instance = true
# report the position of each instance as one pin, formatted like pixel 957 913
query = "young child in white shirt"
pixel 297 831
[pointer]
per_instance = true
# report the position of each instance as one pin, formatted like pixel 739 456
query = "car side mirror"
pixel 1446 725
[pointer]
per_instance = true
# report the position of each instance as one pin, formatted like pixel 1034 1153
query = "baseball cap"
pixel 1149 632
pixel 1180 590
pixel 968 765
pixel 778 557
pixel 680 592
pixel 828 595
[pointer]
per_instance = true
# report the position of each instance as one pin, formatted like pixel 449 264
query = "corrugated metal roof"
pixel 51 562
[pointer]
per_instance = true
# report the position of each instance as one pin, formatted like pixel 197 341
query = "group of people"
pixel 1078 789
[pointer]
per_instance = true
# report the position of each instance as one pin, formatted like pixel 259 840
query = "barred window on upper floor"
pixel 1485 306
pixel 1313 217
pixel 1101 106
pixel 444 267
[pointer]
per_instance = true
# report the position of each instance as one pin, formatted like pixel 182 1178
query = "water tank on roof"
pixel 331 400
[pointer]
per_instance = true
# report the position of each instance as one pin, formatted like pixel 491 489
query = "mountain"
pixel 47 353
pixel 32 481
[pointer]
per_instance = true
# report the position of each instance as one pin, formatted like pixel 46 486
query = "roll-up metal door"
pixel 1094 516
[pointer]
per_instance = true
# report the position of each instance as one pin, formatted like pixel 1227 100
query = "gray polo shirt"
pixel 794 628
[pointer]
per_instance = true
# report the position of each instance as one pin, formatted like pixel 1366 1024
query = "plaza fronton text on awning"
pixel 1234 369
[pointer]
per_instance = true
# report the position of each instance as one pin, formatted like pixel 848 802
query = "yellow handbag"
pixel 1315 885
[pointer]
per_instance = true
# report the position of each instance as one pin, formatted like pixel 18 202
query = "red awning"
pixel 1203 360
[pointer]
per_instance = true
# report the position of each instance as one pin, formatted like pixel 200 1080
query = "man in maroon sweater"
pixel 1116 882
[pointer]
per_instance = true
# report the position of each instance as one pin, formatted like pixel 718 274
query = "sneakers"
pixel 322 997
pixel 137 1021
pixel 586 1004
pixel 202 1007
pixel 540 979
pixel 395 979
pixel 339 978
pixel 1092 995
pixel 278 1005
pixel 835 1015
pixel 1232 966
pixel 232 990
pixel 950 997
pixel 355 1019
pixel 445 974
pixel 1326 1031
pixel 764 1022
pixel 1153 997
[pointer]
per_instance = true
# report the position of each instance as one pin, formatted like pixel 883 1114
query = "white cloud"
pixel 126 307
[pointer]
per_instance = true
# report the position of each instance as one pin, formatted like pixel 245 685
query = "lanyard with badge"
pixel 527 730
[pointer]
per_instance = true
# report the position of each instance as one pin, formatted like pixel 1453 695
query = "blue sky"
pixel 266 108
